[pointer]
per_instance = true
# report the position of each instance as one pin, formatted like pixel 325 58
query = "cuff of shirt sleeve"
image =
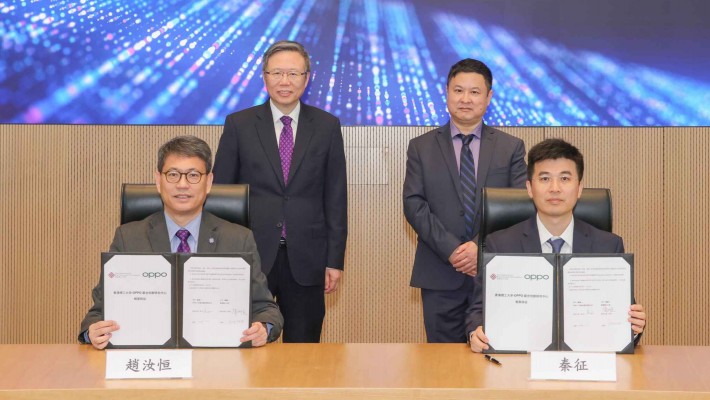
pixel 86 337
pixel 268 326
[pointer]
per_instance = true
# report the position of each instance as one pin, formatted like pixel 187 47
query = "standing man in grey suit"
pixel 184 178
pixel 555 170
pixel 292 156
pixel 446 169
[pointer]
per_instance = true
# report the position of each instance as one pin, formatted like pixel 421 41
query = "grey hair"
pixel 186 146
pixel 286 45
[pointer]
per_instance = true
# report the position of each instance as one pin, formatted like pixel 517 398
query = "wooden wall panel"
pixel 375 302
pixel 60 185
pixel 684 271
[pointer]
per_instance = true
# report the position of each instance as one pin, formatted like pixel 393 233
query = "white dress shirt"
pixel 545 235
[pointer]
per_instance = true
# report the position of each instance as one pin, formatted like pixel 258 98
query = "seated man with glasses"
pixel 554 183
pixel 184 178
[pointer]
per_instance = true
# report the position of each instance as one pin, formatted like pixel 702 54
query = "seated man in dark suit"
pixel 183 179
pixel 554 183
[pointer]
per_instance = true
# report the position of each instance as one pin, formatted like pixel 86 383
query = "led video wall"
pixel 562 62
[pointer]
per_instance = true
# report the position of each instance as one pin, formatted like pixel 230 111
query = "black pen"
pixel 493 360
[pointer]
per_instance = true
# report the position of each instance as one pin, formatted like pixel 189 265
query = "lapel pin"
pixel 211 240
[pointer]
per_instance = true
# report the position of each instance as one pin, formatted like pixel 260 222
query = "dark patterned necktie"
pixel 468 184
pixel 556 244
pixel 286 152
pixel 286 146
pixel 183 247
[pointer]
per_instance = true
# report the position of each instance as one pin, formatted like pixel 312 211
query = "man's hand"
pixel 332 277
pixel 637 317
pixel 465 258
pixel 479 340
pixel 256 333
pixel 100 333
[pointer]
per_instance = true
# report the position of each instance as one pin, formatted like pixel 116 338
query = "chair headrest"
pixel 229 202
pixel 505 207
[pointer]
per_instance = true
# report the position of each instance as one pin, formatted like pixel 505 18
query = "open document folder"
pixel 177 300
pixel 574 302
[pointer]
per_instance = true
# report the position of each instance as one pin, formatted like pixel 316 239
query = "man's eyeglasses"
pixel 192 177
pixel 291 75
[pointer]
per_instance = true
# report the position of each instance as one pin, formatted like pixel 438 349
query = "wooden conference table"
pixel 348 371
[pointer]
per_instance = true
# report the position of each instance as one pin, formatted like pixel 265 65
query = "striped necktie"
pixel 468 184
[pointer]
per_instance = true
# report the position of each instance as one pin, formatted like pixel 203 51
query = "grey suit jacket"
pixel 313 204
pixel 433 203
pixel 151 236
pixel 525 238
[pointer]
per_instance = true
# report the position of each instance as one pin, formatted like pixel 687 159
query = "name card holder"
pixel 572 366
pixel 148 364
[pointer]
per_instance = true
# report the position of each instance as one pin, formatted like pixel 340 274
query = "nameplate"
pixel 573 366
pixel 148 364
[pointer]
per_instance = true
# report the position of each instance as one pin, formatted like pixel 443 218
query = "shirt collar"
pixel 475 132
pixel 193 226
pixel 277 114
pixel 567 235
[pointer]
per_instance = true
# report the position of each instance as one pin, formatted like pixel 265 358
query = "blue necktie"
pixel 556 244
pixel 468 184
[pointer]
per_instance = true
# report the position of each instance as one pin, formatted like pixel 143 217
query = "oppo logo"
pixel 537 277
pixel 155 274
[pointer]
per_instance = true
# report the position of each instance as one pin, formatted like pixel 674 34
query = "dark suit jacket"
pixel 151 236
pixel 433 203
pixel 525 238
pixel 314 204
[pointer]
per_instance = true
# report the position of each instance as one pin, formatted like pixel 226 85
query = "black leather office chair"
pixel 505 207
pixel 229 202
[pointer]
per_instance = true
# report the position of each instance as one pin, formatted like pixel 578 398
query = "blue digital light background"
pixel 563 62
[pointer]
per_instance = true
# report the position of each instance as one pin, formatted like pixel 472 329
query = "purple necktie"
pixel 183 234
pixel 286 146
pixel 286 152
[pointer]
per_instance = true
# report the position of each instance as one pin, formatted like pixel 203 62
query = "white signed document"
pixel 519 303
pixel 138 296
pixel 596 293
pixel 216 301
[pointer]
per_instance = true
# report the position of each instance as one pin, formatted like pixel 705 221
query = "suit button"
pixel 279 225
pixel 461 213
pixel 286 197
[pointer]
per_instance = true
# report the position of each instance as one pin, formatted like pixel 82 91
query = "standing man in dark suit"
pixel 555 170
pixel 292 156
pixel 184 178
pixel 446 169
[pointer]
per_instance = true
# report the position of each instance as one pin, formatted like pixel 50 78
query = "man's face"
pixel 183 199
pixel 467 98
pixel 285 91
pixel 555 187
